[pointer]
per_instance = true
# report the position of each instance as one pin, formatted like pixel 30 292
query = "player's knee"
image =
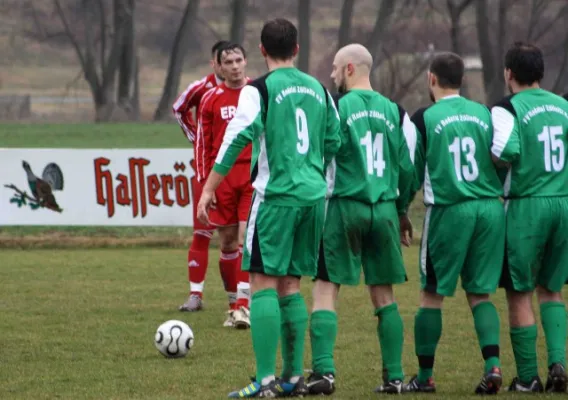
pixel 228 239
pixel 288 285
pixel 544 295
pixel 474 299
pixel 431 300
pixel 324 295
pixel 381 295
pixel 520 308
pixel 260 282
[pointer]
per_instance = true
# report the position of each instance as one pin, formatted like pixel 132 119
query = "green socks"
pixel 323 332
pixel 487 326
pixel 390 331
pixel 265 331
pixel 523 340
pixel 293 327
pixel 427 333
pixel 553 316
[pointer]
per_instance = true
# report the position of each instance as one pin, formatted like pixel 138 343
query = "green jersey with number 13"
pixel 531 133
pixel 294 126
pixel 453 159
pixel 378 141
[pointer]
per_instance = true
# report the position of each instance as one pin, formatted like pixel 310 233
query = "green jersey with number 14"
pixel 453 158
pixel 378 141
pixel 294 126
pixel 531 133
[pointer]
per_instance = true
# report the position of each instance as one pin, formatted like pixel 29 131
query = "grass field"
pixel 78 317
pixel 79 324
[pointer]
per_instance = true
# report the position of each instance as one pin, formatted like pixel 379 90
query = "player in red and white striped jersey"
pixel 198 254
pixel 234 195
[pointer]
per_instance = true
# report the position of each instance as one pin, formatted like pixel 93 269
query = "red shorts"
pixel 196 189
pixel 234 197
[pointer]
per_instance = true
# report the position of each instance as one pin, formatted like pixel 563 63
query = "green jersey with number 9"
pixel 453 159
pixel 531 133
pixel 294 127
pixel 378 140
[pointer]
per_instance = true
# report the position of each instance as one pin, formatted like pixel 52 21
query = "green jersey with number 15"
pixel 294 126
pixel 531 133
pixel 453 158
pixel 378 141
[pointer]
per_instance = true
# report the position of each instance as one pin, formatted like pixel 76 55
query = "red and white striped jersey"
pixel 189 99
pixel 217 109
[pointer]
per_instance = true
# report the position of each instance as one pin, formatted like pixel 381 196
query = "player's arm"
pixel 419 152
pixel 204 138
pixel 332 140
pixel 506 146
pixel 183 105
pixel 407 150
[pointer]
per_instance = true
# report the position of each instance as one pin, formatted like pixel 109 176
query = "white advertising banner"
pixel 109 187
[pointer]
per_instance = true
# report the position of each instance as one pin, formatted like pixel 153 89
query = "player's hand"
pixel 405 230
pixel 205 202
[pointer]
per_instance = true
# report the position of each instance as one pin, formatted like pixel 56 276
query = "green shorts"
pixel 358 234
pixel 465 239
pixel 283 241
pixel 537 244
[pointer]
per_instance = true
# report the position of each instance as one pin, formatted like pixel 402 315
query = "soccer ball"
pixel 174 338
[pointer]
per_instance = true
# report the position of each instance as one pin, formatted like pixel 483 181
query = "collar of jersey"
pixel 452 96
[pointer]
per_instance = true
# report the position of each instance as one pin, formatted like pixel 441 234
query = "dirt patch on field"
pixel 66 241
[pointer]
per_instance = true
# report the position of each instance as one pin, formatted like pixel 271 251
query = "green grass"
pixel 79 325
pixel 85 136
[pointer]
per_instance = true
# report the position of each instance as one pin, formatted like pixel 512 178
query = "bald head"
pixel 355 54
pixel 351 67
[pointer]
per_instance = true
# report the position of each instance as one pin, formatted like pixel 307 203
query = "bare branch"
pixel 562 15
pixel 103 28
pixel 69 34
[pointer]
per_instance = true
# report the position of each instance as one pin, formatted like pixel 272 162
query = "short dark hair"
pixel 279 37
pixel 526 63
pixel 230 47
pixel 449 69
pixel 217 46
pixel 566 96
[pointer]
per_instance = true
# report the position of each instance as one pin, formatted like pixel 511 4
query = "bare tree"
pixel 455 10
pixel 128 81
pixel 238 20
pixel 100 60
pixel 304 10
pixel 493 80
pixel 375 38
pixel 177 55
pixel 344 33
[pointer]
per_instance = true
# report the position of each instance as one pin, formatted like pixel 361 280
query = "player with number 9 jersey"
pixel 294 126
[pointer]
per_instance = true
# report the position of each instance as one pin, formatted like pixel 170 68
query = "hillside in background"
pixel 38 60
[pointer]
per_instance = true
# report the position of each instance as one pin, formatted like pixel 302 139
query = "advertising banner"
pixel 108 187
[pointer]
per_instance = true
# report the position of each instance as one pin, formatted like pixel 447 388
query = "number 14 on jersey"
pixel 375 154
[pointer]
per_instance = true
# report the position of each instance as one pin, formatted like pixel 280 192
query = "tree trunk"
pixel 493 81
pixel 175 66
pixel 456 11
pixel 238 21
pixel 344 34
pixel 374 42
pixel 127 73
pixel 304 10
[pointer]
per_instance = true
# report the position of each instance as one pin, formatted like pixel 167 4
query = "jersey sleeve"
pixel 246 125
pixel 204 138
pixel 420 151
pixel 406 157
pixel 506 145
pixel 182 108
pixel 332 140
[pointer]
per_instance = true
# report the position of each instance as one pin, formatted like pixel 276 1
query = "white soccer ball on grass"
pixel 174 339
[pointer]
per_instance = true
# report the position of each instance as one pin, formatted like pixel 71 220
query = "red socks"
pixel 197 260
